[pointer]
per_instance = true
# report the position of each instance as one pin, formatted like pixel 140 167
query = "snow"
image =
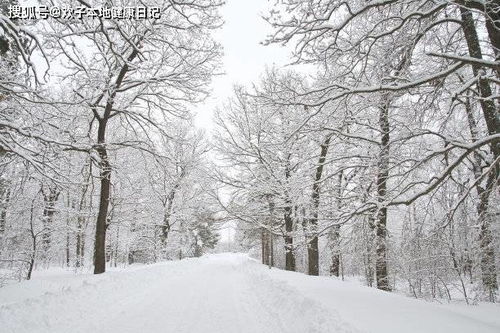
pixel 222 293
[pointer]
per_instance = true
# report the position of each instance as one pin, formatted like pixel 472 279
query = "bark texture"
pixel 312 248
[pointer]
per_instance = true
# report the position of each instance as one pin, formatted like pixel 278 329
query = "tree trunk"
pixel 4 202
pixel 368 233
pixel 264 246
pixel 381 219
pixel 335 234
pixel 80 239
pixel 268 251
pixel 115 250
pixel 78 254
pixel 313 256
pixel 289 255
pixel 287 216
pixel 49 198
pixel 335 252
pixel 105 169
pixel 491 10
pixel 312 248
pixel 490 113
pixel 67 249
pixel 168 204
pixel 167 213
pixel 271 250
pixel 31 262
pixel 70 204
pixel 82 219
pixel 101 225
pixel 487 251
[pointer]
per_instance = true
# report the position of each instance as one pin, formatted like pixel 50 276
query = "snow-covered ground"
pixel 223 293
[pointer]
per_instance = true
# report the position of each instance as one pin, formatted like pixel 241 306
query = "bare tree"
pixel 142 70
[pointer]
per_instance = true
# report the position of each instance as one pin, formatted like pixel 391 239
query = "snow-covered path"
pixel 218 293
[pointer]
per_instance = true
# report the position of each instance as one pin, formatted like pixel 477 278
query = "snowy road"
pixel 219 293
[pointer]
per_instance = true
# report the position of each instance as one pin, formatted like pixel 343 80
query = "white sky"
pixel 244 57
pixel 244 60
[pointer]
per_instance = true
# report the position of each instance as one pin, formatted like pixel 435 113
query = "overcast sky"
pixel 244 57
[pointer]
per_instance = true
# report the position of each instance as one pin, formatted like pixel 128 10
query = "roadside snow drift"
pixel 222 293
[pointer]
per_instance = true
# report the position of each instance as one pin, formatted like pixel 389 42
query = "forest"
pixel 379 162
